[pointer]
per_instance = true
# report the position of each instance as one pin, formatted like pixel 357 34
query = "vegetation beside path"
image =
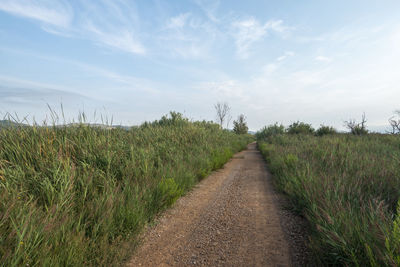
pixel 347 187
pixel 79 195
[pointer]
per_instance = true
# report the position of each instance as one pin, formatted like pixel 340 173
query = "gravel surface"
pixel 232 218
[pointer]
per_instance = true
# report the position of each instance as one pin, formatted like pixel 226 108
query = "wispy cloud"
pixel 323 59
pixel 228 89
pixel 210 8
pixel 133 83
pixel 117 25
pixel 249 31
pixel 188 36
pixel 269 68
pixel 322 93
pixel 178 22
pixel 15 95
pixel 22 95
pixel 123 40
pixel 285 55
pixel 10 81
pixel 112 24
pixel 57 13
pixel 277 26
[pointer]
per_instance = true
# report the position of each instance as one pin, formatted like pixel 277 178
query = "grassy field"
pixel 347 187
pixel 79 195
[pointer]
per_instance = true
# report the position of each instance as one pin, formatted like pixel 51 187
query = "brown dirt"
pixel 232 218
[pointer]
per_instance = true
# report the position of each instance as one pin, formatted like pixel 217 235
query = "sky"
pixel 321 62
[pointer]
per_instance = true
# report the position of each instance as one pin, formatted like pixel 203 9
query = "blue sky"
pixel 321 62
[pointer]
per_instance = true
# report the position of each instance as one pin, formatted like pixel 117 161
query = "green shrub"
pixel 270 131
pixel 300 128
pixel 359 130
pixel 324 130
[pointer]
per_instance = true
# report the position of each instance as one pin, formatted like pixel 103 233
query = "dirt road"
pixel 232 218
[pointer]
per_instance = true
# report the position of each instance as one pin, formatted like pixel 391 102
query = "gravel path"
pixel 232 218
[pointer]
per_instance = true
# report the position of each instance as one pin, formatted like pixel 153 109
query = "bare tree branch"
pixel 222 110
pixel 357 128
pixel 395 123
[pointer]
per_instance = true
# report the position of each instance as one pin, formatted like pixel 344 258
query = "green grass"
pixel 80 195
pixel 348 188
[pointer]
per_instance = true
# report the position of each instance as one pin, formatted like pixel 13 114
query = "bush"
pixel 359 130
pixel 270 130
pixel 300 128
pixel 324 130
pixel 174 119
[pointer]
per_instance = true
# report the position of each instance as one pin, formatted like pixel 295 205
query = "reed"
pixel 79 195
pixel 347 187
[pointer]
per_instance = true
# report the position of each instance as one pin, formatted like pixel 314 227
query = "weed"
pixel 347 187
pixel 79 195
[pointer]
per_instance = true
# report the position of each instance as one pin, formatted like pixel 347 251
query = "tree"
pixel 357 128
pixel 240 126
pixel 222 110
pixel 395 122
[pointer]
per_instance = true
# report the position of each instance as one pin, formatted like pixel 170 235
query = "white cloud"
pixel 362 74
pixel 133 83
pixel 323 59
pixel 17 82
pixel 269 68
pixel 285 55
pixel 57 13
pixel 123 40
pixel 187 36
pixel 249 31
pixel 225 89
pixel 110 23
pixel 178 22
pixel 210 8
pixel 322 93
pixel 277 26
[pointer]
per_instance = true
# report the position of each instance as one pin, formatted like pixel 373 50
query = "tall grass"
pixel 79 195
pixel 348 188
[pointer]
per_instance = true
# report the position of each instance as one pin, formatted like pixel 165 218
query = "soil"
pixel 234 217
